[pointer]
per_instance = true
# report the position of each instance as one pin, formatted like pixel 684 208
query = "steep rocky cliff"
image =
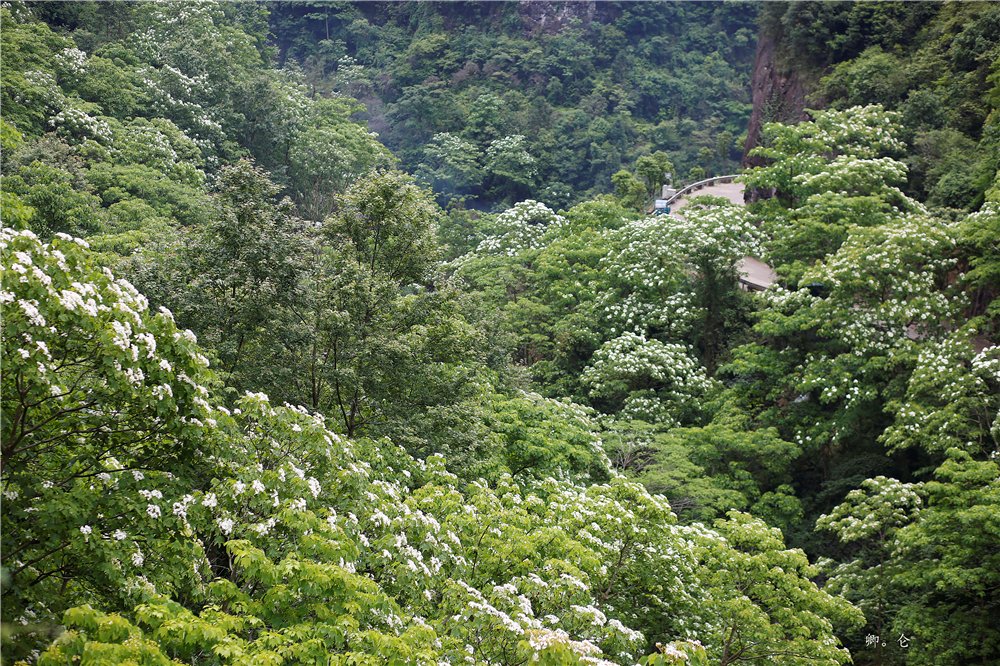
pixel 778 92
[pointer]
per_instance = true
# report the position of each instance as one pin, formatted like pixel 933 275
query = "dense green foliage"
pixel 937 64
pixel 286 543
pixel 266 401
pixel 504 101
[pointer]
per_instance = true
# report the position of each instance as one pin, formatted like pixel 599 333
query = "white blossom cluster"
pixel 656 262
pixel 850 175
pixel 350 71
pixel 445 146
pixel 654 378
pixel 181 38
pixel 951 391
pixel 73 60
pixel 886 285
pixel 879 505
pixel 865 131
pixel 510 152
pixel 110 309
pixel 673 314
pixel 411 550
pixel 44 89
pixel 76 123
pixel 171 89
pixel 143 142
pixel 841 152
pixel 525 226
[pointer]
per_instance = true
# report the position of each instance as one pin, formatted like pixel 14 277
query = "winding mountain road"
pixel 755 275
pixel 731 191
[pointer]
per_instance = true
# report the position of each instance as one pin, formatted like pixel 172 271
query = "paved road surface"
pixel 731 191
pixel 755 274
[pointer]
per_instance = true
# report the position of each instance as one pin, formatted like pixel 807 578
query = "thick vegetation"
pixel 491 102
pixel 266 402
pixel 933 63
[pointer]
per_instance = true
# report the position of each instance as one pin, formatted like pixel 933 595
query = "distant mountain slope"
pixel 589 86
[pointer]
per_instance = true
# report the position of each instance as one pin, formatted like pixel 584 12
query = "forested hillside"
pixel 490 102
pixel 341 333
pixel 933 63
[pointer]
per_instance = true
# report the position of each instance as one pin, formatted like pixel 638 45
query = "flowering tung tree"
pixel 178 530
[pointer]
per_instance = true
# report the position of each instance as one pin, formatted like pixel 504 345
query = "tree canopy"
pixel 347 333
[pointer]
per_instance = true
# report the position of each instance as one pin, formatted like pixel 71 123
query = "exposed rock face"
pixel 778 96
